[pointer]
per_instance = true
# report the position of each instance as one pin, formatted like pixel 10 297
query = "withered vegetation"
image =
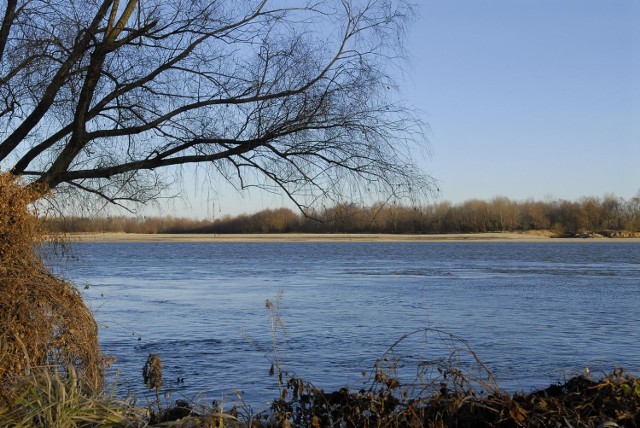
pixel 613 401
pixel 456 391
pixel 43 319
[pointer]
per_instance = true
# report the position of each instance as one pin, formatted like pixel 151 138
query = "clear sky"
pixel 524 98
pixel 529 98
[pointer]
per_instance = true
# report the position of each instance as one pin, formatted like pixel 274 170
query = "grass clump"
pixel 50 397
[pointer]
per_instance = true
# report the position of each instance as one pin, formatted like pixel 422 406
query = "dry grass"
pixel 152 373
pixel 43 319
pixel 49 397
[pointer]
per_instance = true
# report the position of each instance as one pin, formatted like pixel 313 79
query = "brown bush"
pixel 43 319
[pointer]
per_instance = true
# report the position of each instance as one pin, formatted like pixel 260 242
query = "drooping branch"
pixel 161 161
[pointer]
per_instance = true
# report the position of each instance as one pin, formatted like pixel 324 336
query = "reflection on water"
pixel 534 312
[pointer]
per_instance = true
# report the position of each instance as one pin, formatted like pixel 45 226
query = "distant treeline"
pixel 562 217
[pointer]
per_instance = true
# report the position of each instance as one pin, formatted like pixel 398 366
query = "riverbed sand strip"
pixel 336 237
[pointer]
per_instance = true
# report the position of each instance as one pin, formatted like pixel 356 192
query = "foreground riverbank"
pixel 333 237
pixel 46 398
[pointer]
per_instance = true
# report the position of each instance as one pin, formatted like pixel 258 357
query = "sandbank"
pixel 334 237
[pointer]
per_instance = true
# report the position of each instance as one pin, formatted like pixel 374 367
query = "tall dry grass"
pixel 43 319
pixel 49 397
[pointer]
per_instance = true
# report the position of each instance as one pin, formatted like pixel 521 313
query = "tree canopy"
pixel 110 96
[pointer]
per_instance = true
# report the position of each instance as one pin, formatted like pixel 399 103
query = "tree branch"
pixel 7 22
pixel 17 136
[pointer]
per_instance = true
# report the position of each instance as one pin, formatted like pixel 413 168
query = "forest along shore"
pixel 335 237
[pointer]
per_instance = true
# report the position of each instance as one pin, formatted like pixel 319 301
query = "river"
pixel 534 313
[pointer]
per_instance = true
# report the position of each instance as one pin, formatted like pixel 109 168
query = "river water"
pixel 534 313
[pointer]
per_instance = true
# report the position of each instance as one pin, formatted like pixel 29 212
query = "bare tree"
pixel 110 96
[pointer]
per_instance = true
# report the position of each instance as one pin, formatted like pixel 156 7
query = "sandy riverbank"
pixel 342 237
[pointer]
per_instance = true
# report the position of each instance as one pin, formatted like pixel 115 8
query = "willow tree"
pixel 110 97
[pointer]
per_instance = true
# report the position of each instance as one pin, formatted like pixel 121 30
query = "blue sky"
pixel 529 98
pixel 524 98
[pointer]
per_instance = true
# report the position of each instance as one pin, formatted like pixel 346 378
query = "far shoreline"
pixel 330 237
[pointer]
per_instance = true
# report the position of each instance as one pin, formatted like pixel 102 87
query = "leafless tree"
pixel 111 96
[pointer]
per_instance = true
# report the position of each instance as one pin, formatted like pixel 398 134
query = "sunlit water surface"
pixel 535 313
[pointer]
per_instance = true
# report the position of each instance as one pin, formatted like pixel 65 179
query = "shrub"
pixel 43 319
